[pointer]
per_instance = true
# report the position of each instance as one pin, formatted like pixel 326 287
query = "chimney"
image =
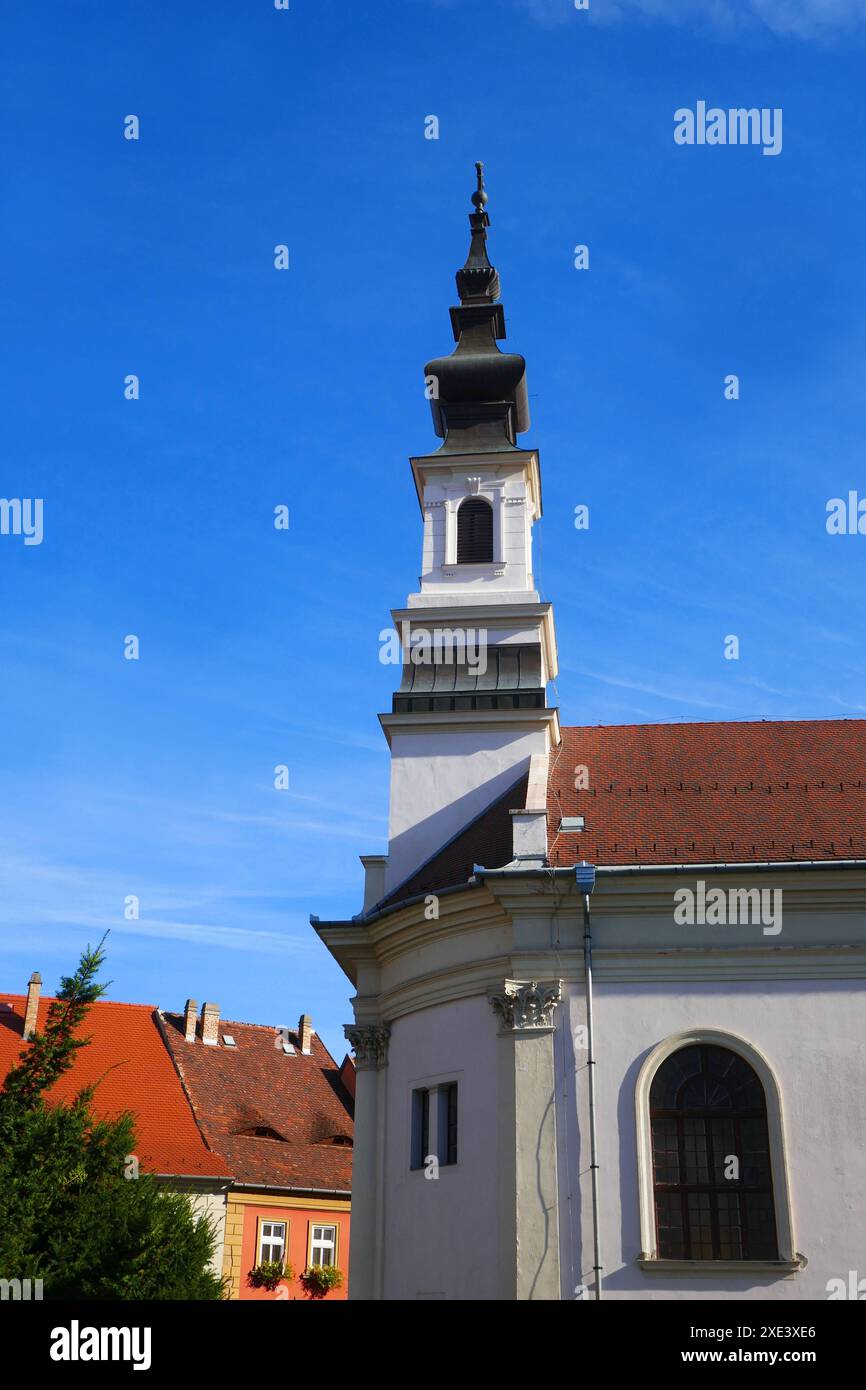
pixel 305 1033
pixel 375 866
pixel 210 1022
pixel 189 1014
pixel 34 986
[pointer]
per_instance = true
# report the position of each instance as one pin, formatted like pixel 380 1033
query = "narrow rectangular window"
pixel 272 1241
pixel 447 1118
pixel 420 1127
pixel 323 1245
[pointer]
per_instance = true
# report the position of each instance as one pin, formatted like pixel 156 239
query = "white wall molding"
pixel 411 962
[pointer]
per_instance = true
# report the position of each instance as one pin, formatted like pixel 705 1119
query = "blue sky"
pixel 258 127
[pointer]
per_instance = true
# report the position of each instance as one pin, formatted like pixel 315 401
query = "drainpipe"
pixel 584 874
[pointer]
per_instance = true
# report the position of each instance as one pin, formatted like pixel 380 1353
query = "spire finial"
pixel 478 282
pixel 479 197
pixel 482 404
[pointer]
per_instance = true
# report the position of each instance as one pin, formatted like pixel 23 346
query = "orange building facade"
pixel 300 1231
pixel 278 1109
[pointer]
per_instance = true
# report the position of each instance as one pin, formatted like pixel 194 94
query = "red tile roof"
pixel 683 794
pixel 255 1085
pixel 128 1058
pixel 710 793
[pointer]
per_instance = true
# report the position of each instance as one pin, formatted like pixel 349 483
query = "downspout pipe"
pixel 584 874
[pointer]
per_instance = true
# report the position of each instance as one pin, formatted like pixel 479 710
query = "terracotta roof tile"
pixel 683 793
pixel 127 1057
pixel 256 1085
pixel 711 793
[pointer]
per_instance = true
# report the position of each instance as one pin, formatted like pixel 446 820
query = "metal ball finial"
pixel 479 197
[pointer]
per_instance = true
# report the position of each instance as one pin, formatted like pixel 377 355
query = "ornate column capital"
pixel 369 1042
pixel 526 1005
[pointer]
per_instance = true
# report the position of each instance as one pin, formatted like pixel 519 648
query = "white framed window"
pixel 492 551
pixel 722 1249
pixel 434 1108
pixel 323 1245
pixel 272 1242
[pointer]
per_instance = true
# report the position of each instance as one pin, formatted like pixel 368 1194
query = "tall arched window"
pixel 474 532
pixel 711 1166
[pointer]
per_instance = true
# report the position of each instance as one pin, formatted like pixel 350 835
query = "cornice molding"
pixel 450 721
pixel 479 978
pixel 718 963
pixel 493 613
pixel 824 889
pixel 494 464
pixel 402 961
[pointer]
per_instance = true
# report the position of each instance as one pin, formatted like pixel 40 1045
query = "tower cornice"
pixel 447 721
pixel 427 467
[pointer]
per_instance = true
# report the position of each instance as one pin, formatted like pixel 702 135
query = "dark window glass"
pixel 474 532
pixel 707 1108
pixel 448 1123
pixel 420 1127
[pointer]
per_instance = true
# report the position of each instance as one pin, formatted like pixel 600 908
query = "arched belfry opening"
pixel 474 532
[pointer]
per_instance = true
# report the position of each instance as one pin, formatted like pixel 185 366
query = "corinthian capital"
pixel 369 1042
pixel 526 1004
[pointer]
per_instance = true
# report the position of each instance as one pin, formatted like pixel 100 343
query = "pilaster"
pixel 366 1271
pixel 528 1191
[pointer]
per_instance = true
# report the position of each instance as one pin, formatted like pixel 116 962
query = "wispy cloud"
pixel 848 704
pixel 677 695
pixel 49 900
pixel 199 933
pixel 797 19
pixel 768 689
pixel 339 826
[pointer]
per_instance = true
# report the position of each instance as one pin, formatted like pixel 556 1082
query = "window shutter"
pixel 474 532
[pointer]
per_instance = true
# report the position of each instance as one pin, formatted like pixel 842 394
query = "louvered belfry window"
pixel 474 532
pixel 707 1108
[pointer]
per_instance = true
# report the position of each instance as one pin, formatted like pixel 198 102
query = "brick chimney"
pixel 34 986
pixel 189 1014
pixel 305 1033
pixel 210 1022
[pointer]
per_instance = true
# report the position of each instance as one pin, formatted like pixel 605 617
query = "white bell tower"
pixel 478 646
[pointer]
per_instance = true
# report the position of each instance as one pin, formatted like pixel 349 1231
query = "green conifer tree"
pixel 69 1214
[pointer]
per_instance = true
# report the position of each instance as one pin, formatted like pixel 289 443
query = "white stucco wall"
pixel 813 1035
pixel 798 999
pixel 504 486
pixel 441 780
pixel 441 1234
pixel 212 1204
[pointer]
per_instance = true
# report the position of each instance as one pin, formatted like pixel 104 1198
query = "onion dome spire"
pixel 480 401
pixel 478 281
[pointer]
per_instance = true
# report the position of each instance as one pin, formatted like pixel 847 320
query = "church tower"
pixel 493 1159
pixel 477 646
